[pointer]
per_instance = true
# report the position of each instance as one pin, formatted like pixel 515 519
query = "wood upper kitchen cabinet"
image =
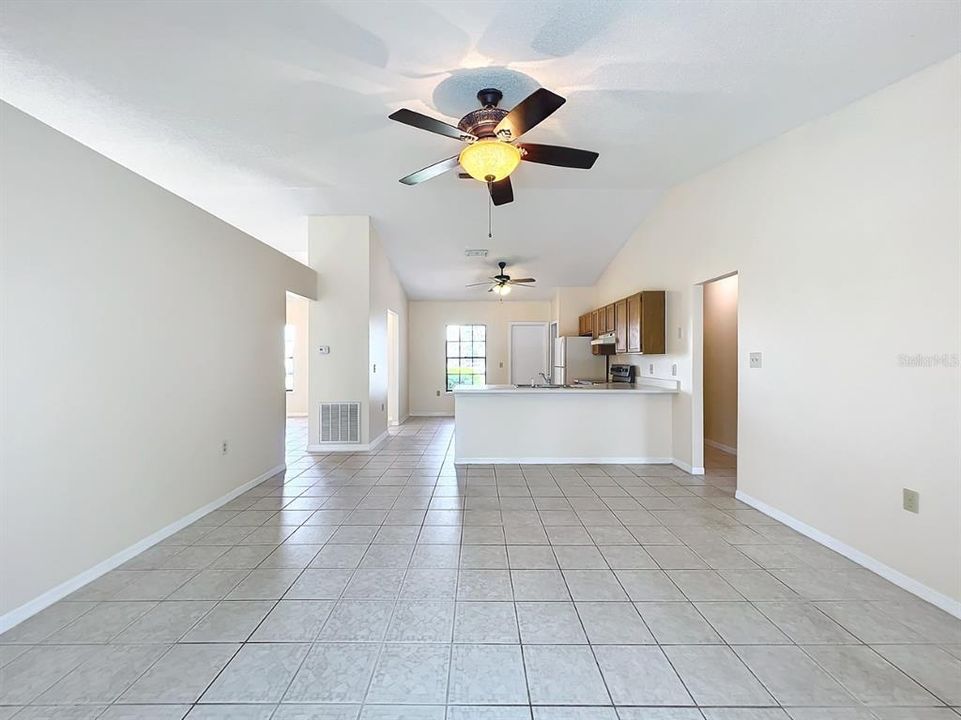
pixel 653 335
pixel 609 318
pixel 633 333
pixel 584 325
pixel 645 323
pixel 620 326
pixel 597 323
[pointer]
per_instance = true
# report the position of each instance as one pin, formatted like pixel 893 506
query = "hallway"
pixel 394 585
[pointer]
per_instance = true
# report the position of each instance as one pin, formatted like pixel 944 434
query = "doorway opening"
pixel 296 355
pixel 527 352
pixel 393 368
pixel 720 375
pixel 295 358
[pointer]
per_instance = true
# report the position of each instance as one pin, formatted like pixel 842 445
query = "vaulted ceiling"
pixel 266 112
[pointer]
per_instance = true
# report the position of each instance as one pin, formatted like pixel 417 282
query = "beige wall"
pixel 339 250
pixel 297 315
pixel 720 362
pixel 428 324
pixel 138 334
pixel 845 234
pixel 567 306
pixel 356 287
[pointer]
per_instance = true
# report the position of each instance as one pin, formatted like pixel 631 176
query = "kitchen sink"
pixel 551 386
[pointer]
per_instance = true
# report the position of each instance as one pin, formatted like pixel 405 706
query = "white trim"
pixel 687 467
pixel 396 423
pixel 297 415
pixel 948 604
pixel 720 446
pixel 432 413
pixel 348 447
pixel 45 600
pixel 565 461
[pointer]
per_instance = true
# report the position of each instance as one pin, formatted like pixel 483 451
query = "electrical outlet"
pixel 500 364
pixel 375 368
pixel 911 500
pixel 324 350
pixel 382 407
pixel 650 369
pixel 674 370
pixel 438 393
pixel 754 360
pixel 680 333
pixel 224 447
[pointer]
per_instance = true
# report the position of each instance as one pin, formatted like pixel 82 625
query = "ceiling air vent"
pixel 340 422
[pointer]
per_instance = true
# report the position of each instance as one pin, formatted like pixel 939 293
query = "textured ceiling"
pixel 266 112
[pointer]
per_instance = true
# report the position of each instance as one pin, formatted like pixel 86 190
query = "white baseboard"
pixel 687 467
pixel 720 446
pixel 397 423
pixel 348 447
pixel 297 415
pixel 948 604
pixel 439 413
pixel 564 461
pixel 28 609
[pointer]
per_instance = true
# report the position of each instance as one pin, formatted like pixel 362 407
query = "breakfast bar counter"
pixel 605 423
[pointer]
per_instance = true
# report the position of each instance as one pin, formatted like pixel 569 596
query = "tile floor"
pixel 395 586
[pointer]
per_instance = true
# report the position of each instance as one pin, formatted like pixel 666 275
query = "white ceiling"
pixel 265 112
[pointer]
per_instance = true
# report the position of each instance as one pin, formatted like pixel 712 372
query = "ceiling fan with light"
pixel 491 134
pixel 502 283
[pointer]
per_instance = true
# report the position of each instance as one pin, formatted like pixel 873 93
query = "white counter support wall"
pixel 562 427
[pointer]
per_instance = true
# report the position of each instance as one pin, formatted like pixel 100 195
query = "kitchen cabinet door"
pixel 634 323
pixel 653 331
pixel 596 323
pixel 609 318
pixel 620 326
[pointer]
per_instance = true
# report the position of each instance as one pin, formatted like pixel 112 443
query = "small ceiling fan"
pixel 502 283
pixel 491 134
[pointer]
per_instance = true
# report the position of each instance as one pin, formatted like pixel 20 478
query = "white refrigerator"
pixel 573 360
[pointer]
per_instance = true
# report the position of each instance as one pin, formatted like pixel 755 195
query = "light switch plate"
pixel 754 359
pixel 324 350
pixel 911 500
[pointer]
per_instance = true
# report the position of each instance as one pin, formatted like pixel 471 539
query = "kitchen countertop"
pixel 620 388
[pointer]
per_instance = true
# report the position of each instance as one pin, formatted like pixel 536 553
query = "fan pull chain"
pixel 490 208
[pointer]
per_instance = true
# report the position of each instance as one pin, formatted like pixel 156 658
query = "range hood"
pixel 605 339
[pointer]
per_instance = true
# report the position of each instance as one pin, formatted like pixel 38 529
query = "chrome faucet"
pixel 547 380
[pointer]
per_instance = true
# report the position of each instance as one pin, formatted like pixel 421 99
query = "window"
pixel 290 332
pixel 466 355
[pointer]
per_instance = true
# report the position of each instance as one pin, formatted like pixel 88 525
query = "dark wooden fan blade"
pixel 523 280
pixel 501 191
pixel 559 156
pixel 418 120
pixel 430 171
pixel 532 110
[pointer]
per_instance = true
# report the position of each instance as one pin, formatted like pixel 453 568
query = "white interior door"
pixel 528 352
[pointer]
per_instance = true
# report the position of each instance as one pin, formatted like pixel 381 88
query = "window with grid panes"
pixel 466 355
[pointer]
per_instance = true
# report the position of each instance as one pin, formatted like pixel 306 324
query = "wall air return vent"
pixel 340 422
